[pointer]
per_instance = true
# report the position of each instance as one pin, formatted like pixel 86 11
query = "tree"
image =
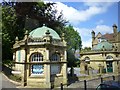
pixel 73 38
pixel 9 31
pixel 73 43
pixel 86 49
pixel 44 13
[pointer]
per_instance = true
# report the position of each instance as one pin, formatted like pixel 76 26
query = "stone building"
pixel 40 58
pixel 105 54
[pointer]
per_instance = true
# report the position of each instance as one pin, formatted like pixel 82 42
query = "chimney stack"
pixel 93 36
pixel 115 29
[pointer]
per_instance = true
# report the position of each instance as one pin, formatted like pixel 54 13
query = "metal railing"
pixel 93 83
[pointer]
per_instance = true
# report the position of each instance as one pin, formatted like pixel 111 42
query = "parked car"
pixel 109 85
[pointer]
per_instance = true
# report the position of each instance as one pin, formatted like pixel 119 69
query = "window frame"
pixel 38 58
pixel 55 57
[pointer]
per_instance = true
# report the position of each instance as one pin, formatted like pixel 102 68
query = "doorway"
pixel 109 66
pixel 109 63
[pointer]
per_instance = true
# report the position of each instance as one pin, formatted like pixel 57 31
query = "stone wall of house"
pixel 97 60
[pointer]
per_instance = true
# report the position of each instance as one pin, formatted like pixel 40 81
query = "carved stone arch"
pixel 87 59
pixel 109 57
pixel 112 55
pixel 37 56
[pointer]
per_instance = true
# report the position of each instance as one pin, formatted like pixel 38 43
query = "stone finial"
pixel 44 24
pixel 16 39
pixel 113 47
pixel 114 25
pixel 26 35
pixel 47 32
pixel 115 29
pixel 48 37
pixel 93 32
pixel 26 32
pixel 63 39
pixel 116 48
pixel 103 48
pixel 93 36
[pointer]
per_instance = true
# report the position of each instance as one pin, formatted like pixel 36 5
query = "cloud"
pixel 87 43
pixel 103 29
pixel 82 0
pixel 100 22
pixel 75 16
pixel 85 33
pixel 98 4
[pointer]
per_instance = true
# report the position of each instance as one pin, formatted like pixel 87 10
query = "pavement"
pixel 8 84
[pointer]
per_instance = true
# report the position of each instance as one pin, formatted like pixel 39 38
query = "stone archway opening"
pixel 109 63
pixel 87 61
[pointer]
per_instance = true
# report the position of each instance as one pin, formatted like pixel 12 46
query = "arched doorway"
pixel 87 61
pixel 109 62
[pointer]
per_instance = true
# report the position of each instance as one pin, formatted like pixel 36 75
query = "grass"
pixel 15 78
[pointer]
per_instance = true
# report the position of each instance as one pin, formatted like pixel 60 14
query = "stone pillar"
pixel 64 69
pixel 47 71
pixel 47 75
pixel 115 69
pixel 47 55
pixel 119 66
pixel 65 55
pixel 82 67
pixel 100 68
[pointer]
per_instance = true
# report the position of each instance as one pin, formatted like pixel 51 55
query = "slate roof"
pixel 109 37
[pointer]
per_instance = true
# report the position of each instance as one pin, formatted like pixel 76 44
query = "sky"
pixel 88 16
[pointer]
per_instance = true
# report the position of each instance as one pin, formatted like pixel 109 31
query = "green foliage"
pixel 15 78
pixel 73 38
pixel 8 63
pixel 73 43
pixel 86 49
pixel 43 13
pixel 70 58
pixel 72 61
pixel 8 20
pixel 77 63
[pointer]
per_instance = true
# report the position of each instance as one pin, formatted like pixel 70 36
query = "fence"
pixel 87 84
